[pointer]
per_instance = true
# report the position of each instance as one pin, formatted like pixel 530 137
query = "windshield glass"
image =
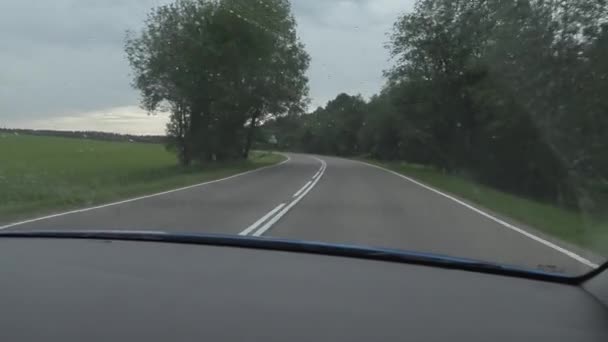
pixel 472 129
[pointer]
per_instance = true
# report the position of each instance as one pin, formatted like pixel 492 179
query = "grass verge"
pixel 40 175
pixel 580 229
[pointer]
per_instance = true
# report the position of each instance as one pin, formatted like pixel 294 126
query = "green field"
pixel 40 175
pixel 573 227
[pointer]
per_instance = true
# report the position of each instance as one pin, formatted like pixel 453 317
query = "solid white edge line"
pixel 14 224
pixel 278 216
pixel 491 217
pixel 302 189
pixel 260 221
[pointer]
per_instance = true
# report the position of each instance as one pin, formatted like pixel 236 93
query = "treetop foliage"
pixel 219 67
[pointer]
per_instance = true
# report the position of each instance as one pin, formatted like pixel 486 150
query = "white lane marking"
pixel 262 220
pixel 278 216
pixel 141 197
pixel 303 188
pixel 316 174
pixel 549 244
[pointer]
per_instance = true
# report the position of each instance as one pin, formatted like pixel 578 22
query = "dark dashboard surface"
pixel 87 290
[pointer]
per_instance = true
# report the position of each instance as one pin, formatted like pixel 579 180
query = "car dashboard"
pixel 112 290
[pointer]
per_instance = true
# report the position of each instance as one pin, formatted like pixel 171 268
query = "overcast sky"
pixel 62 64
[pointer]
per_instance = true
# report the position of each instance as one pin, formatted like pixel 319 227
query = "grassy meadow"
pixel 40 175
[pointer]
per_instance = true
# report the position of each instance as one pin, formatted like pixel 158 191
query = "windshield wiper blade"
pixel 342 250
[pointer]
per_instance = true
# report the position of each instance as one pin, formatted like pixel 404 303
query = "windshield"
pixel 470 129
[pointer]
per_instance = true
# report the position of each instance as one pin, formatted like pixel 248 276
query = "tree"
pixel 494 89
pixel 219 67
pixel 507 93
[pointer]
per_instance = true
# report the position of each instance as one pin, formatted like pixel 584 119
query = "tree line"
pixel 506 93
pixel 511 94
pixel 92 135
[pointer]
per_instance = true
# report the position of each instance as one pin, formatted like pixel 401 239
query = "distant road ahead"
pixel 331 200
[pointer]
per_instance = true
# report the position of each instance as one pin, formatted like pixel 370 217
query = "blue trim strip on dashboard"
pixel 345 250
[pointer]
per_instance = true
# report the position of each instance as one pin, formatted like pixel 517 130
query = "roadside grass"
pixel 587 231
pixel 41 175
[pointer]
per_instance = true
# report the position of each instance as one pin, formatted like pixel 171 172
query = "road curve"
pixel 324 199
pixel 361 204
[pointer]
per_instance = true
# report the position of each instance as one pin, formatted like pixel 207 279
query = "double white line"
pixel 268 220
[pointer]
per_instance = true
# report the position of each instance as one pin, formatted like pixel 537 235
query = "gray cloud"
pixel 63 58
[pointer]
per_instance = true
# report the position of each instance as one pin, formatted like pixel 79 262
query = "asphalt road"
pixel 330 200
